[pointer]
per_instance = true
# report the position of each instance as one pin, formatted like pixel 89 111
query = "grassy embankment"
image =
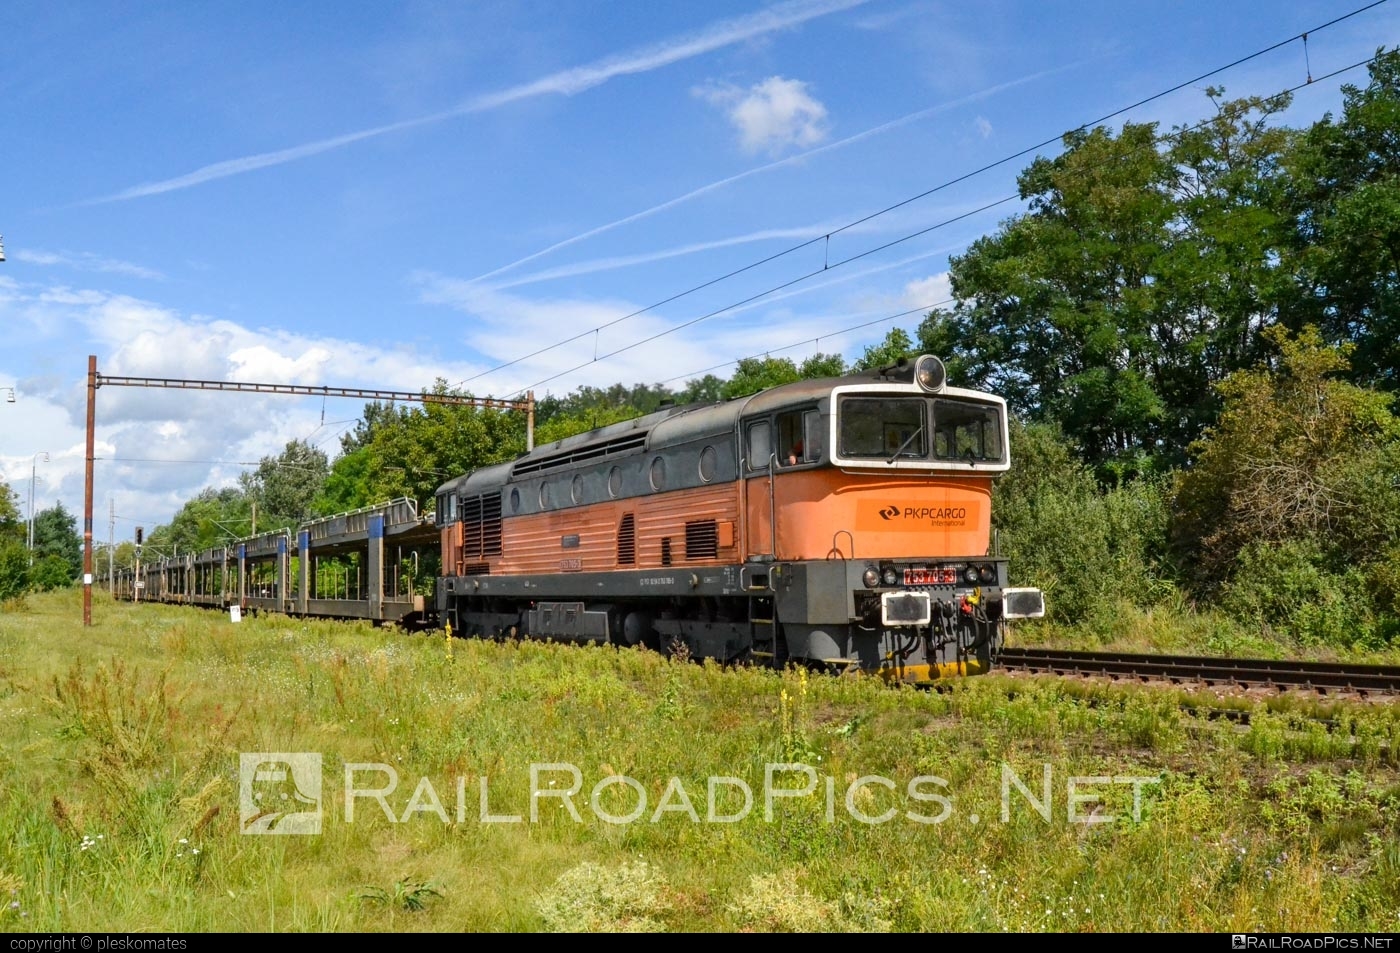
pixel 119 760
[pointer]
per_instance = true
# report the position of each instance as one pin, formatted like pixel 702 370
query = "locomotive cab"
pixel 877 518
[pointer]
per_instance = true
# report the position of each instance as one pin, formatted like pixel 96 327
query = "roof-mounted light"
pixel 930 373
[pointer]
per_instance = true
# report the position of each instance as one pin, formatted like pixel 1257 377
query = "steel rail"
pixel 1178 669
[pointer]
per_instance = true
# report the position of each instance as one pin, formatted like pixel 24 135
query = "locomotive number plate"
pixel 930 577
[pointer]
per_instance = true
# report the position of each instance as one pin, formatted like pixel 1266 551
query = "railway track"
pixel 1322 677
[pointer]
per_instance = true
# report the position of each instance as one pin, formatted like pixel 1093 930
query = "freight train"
pixel 842 523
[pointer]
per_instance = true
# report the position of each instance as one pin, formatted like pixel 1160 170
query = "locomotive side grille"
pixel 702 539
pixel 476 569
pixel 627 541
pixel 491 525
pixel 666 551
pixel 481 526
pixel 471 526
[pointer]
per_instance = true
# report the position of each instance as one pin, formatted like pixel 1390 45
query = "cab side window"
pixel 760 445
pixel 789 447
pixel 814 435
pixel 799 438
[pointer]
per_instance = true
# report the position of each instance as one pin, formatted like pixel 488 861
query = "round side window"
pixel 576 488
pixel 658 473
pixel 544 496
pixel 515 499
pixel 709 462
pixel 615 482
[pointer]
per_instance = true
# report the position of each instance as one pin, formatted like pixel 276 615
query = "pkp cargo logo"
pixel 279 792
pixel 919 515
pixel 934 514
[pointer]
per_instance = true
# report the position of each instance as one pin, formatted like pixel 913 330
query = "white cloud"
pixel 262 363
pixel 627 261
pixel 771 166
pixel 85 261
pixel 933 291
pixel 773 115
pixel 983 126
pixel 157 448
pixel 887 19
pixel 623 351
pixel 567 82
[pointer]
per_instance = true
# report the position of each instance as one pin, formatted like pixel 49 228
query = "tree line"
pixel 1197 331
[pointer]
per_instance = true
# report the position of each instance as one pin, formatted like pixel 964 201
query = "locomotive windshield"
pixel 920 428
pixel 884 427
pixel 963 431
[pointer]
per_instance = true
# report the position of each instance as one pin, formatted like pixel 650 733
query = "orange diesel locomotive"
pixel 843 523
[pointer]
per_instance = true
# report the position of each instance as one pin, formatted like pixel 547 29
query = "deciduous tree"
pixel 1344 199
pixel 1141 274
pixel 56 535
pixel 285 486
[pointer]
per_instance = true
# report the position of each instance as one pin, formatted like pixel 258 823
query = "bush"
pixel 1293 587
pixel 777 904
pixel 51 572
pixel 1086 547
pixel 14 569
pixel 591 898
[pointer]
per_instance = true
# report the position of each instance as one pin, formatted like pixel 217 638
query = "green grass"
pixel 119 761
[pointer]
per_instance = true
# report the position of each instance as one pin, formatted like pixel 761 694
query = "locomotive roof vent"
pixel 898 371
pixel 579 454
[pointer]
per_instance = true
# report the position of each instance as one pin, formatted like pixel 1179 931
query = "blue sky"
pixel 376 195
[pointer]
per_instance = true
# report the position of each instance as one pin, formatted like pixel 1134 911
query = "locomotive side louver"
pixel 701 539
pixel 481 525
pixel 471 526
pixel 627 541
pixel 491 524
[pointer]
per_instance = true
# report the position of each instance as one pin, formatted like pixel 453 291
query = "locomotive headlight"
pixel 930 373
pixel 987 575
pixel 890 576
pixel 970 575
pixel 871 578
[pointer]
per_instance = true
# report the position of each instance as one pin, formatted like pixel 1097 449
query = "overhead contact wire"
pixel 886 245
pixel 925 194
